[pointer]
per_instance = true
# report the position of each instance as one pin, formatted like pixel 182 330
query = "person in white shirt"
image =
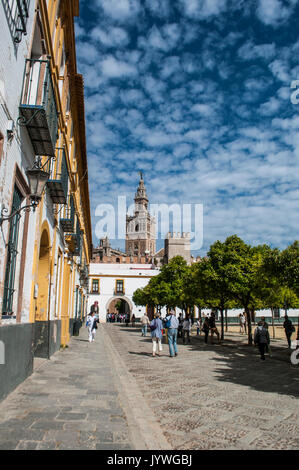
pixel 144 323
pixel 187 328
pixel 91 324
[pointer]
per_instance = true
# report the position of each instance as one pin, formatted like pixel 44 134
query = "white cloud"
pixel 203 8
pixel 113 68
pixel 250 51
pixel 274 12
pixel 280 70
pixel 160 8
pixel 113 37
pixel 120 10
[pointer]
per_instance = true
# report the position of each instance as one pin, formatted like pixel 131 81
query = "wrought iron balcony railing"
pixel 67 220
pixel 59 178
pixel 38 110
pixel 78 240
pixel 17 13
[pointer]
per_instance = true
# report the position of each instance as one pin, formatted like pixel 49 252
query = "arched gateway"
pixel 123 303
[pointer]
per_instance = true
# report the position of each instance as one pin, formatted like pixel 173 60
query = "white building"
pixel 111 283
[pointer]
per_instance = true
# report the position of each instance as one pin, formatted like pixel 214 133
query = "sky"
pixel 197 95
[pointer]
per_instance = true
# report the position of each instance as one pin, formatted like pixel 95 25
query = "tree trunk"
pixel 273 327
pixel 226 324
pixel 222 323
pixel 248 317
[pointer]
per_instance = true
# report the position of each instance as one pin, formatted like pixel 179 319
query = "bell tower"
pixel 141 227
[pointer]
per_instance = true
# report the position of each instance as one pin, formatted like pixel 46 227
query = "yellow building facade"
pixel 68 188
pixel 44 254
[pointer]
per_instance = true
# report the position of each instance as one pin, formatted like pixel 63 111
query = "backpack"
pixel 167 323
pixel 153 325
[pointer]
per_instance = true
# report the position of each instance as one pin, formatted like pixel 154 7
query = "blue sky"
pixel 196 93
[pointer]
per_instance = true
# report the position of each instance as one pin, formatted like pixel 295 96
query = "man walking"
pixel 172 325
pixel 288 328
pixel 213 327
pixel 261 339
pixel 144 323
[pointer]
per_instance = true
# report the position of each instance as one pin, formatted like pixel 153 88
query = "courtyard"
pixel 112 394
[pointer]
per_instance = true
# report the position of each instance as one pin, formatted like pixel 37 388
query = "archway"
pixel 41 311
pixel 42 336
pixel 122 305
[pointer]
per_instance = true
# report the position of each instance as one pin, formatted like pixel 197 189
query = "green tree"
pixel 242 266
pixel 289 267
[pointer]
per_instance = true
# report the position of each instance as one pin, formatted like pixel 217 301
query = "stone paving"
pixel 113 395
pixel 215 396
pixel 72 401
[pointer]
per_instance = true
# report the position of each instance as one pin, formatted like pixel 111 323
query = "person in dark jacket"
pixel 206 329
pixel 261 339
pixel 213 327
pixel 288 328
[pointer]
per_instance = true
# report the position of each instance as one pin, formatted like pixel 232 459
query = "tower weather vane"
pixel 141 175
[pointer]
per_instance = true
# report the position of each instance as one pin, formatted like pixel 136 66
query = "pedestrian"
pixel 263 320
pixel 245 321
pixel 91 324
pixel 261 339
pixel 288 328
pixel 156 326
pixel 213 327
pixel 242 323
pixel 133 320
pixel 206 329
pixel 127 319
pixel 144 323
pixel 198 326
pixel 172 324
pixel 187 329
pixel 180 327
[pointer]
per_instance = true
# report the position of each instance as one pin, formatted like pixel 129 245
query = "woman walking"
pixel 156 326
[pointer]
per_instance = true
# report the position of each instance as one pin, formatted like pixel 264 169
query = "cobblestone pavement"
pixel 113 395
pixel 72 401
pixel 215 396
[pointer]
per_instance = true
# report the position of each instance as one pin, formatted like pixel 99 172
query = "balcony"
pixel 73 239
pixel 78 240
pixel 67 221
pixel 84 272
pixel 59 178
pixel 38 110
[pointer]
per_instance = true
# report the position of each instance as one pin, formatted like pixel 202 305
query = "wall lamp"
pixel 37 178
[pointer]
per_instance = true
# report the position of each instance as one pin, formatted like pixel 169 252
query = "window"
pixel 95 286
pixel 17 12
pixel 12 252
pixel 119 287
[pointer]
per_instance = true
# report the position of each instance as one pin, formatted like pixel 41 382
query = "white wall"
pixel 17 150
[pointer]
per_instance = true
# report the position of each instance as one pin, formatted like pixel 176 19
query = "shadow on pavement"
pixel 241 364
pixel 149 354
